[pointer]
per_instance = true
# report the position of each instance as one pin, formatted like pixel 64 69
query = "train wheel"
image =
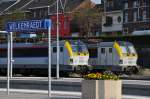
pixel 81 69
pixel 135 70
pixel 128 70
pixel 85 70
pixel 77 69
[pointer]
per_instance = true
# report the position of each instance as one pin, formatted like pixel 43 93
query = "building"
pixel 136 15
pixel 39 9
pixel 112 18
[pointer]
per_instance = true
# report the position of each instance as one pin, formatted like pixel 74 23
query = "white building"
pixel 112 22
pixel 112 19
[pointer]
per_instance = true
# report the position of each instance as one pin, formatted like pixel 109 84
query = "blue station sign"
pixel 30 25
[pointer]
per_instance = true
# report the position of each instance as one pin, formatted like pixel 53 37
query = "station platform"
pixel 64 88
pixel 38 94
pixel 25 94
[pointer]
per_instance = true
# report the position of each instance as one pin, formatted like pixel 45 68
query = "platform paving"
pixel 55 95
pixel 13 95
pixel 42 94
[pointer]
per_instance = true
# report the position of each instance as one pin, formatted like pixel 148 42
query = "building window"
pixel 125 30
pixel 126 5
pixel 46 13
pixel 109 21
pixel 34 14
pixel 143 2
pixel 135 4
pixel 40 14
pixel 143 14
pixel 125 17
pixel 135 16
pixel 110 4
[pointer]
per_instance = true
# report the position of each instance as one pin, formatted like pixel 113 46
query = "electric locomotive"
pixel 118 56
pixel 32 58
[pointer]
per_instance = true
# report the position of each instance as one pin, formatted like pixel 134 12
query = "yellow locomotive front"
pixel 127 56
pixel 78 52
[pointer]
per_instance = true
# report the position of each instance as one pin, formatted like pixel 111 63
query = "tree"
pixel 87 19
pixel 16 15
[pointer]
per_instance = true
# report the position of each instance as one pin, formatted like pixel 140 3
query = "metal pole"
pixel 57 40
pixel 11 54
pixel 49 61
pixel 138 9
pixel 8 63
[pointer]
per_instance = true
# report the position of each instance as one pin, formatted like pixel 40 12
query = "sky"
pixel 97 1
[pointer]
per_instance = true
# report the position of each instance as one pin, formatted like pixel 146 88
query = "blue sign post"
pixel 31 25
pixel 28 25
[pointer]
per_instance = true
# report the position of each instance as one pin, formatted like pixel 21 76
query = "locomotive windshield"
pixel 78 46
pixel 124 49
pixel 127 47
pixel 132 49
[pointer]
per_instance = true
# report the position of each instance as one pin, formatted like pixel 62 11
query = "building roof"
pixel 19 4
pixel 5 5
pixel 64 5
pixel 39 3
pixel 24 5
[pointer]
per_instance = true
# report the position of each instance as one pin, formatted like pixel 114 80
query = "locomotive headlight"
pixel 86 53
pixel 71 60
pixel 79 53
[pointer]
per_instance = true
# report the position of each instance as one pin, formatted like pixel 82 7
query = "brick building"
pixel 136 15
pixel 38 9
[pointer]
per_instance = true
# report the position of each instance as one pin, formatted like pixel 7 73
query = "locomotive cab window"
pixel 124 49
pixel 132 49
pixel 54 49
pixel 110 50
pixel 61 49
pixel 103 50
